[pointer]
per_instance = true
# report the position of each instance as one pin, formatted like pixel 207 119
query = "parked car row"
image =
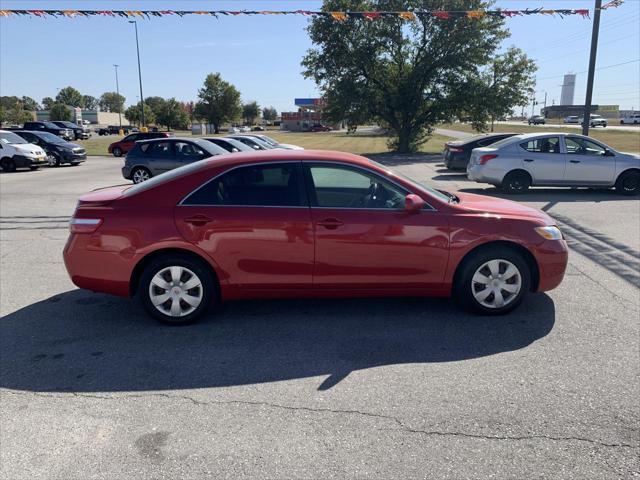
pixel 34 149
pixel 115 130
pixel 594 120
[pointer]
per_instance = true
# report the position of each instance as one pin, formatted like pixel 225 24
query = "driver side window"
pixel 582 146
pixel 343 187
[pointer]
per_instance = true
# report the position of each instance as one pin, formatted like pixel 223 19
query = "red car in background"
pixel 284 223
pixel 122 147
pixel 320 128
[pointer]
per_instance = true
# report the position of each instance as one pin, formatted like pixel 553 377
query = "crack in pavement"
pixel 396 420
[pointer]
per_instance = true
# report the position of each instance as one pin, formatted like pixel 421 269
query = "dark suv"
pixel 79 132
pixel 121 147
pixel 50 127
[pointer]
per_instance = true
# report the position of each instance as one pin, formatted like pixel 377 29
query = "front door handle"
pixel 528 159
pixel 574 161
pixel 330 223
pixel 198 220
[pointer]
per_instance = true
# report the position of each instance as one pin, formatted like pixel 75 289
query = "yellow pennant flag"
pixel 340 16
pixel 69 13
pixel 475 14
pixel 407 15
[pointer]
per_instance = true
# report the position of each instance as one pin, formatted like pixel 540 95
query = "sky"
pixel 261 55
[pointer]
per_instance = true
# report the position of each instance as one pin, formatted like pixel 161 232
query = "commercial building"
pixel 95 117
pixel 309 114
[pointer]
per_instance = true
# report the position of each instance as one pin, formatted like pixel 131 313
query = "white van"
pixel 16 152
pixel 631 119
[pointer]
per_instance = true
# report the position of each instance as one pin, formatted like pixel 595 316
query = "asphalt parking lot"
pixel 91 388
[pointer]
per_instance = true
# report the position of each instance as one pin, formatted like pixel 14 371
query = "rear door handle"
pixel 198 220
pixel 574 161
pixel 330 223
pixel 528 159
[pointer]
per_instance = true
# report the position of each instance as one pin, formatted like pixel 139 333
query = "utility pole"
pixel 586 117
pixel 118 92
pixel 533 103
pixel 139 74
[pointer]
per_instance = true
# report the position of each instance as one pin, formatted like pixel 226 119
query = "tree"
pixel 156 104
pixel 30 104
pixel 70 96
pixel 12 110
pixel 408 75
pixel 269 114
pixel 134 114
pixel 90 103
pixel 172 115
pixel 111 102
pixel 47 103
pixel 59 111
pixel 219 101
pixel 506 83
pixel 189 108
pixel 250 111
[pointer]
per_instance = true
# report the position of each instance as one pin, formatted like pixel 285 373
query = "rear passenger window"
pixel 159 149
pixel 542 145
pixel 277 185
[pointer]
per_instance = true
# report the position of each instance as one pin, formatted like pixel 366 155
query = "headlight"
pixel 550 232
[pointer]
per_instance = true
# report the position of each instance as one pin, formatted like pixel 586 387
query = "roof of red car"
pixel 281 154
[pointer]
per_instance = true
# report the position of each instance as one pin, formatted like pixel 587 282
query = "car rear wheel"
pixel 492 281
pixel 117 152
pixel 177 290
pixel 629 183
pixel 516 182
pixel 140 174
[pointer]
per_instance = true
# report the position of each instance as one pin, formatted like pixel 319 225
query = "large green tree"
pixel 134 114
pixel 111 102
pixel 219 101
pixel 250 112
pixel 30 104
pixel 89 102
pixel 408 75
pixel 156 104
pixel 70 96
pixel 16 110
pixel 269 114
pixel 47 103
pixel 60 111
pixel 172 115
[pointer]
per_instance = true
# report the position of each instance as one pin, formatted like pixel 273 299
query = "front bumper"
pixel 22 161
pixel 552 257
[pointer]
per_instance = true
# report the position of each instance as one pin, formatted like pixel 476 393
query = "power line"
pixel 585 49
pixel 599 68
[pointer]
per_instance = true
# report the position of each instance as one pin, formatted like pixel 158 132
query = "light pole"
pixel 586 116
pixel 139 73
pixel 118 92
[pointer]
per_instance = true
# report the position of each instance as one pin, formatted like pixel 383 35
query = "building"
pixel 95 117
pixel 568 89
pixel 563 111
pixel 309 114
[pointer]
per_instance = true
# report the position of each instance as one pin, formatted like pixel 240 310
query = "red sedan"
pixel 285 223
pixel 122 147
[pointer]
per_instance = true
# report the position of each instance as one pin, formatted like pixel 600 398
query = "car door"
pixel 543 159
pixel 589 163
pixel 187 152
pixel 160 156
pixel 254 222
pixel 364 237
pixel 128 142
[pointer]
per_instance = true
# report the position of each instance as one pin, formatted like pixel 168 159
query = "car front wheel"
pixel 629 183
pixel 177 290
pixel 117 152
pixel 493 281
pixel 140 174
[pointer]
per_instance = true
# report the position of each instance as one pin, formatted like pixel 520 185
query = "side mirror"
pixel 413 203
pixel 608 153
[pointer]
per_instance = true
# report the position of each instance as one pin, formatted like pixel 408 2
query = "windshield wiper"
pixel 452 198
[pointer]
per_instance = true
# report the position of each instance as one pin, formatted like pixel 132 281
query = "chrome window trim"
pixel 427 206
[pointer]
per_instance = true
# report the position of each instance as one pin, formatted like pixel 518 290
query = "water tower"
pixel 568 89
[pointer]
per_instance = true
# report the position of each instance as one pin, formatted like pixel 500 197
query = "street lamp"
pixel 118 92
pixel 139 72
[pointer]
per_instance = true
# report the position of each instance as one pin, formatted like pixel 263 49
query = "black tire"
pixel 35 167
pixel 117 152
pixel 58 160
pixel 140 174
pixel 516 182
pixel 8 165
pixel 629 183
pixel 464 286
pixel 209 288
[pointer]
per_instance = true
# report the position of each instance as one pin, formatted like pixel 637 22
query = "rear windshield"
pixel 164 178
pixel 504 141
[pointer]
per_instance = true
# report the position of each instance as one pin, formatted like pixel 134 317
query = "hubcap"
pixel 140 176
pixel 496 283
pixel 631 183
pixel 175 291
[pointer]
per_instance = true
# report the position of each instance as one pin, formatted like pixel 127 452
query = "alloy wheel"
pixel 140 175
pixel 496 283
pixel 176 291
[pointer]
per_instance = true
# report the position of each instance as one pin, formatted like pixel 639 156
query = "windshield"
pixel 10 138
pixel 421 186
pixel 504 141
pixel 68 124
pixel 50 137
pixel 50 125
pixel 268 140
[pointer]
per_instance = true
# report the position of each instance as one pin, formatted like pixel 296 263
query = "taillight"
pixel 456 149
pixel 84 225
pixel 485 158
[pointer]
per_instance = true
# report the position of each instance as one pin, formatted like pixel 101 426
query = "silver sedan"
pixel 554 159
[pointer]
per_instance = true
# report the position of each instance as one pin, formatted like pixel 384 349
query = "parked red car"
pixel 283 223
pixel 123 146
pixel 320 128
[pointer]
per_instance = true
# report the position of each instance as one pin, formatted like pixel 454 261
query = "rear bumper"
pixel 552 257
pixel 485 174
pixel 126 172
pixel 455 161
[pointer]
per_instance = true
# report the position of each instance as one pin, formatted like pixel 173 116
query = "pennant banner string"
pixel 338 16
